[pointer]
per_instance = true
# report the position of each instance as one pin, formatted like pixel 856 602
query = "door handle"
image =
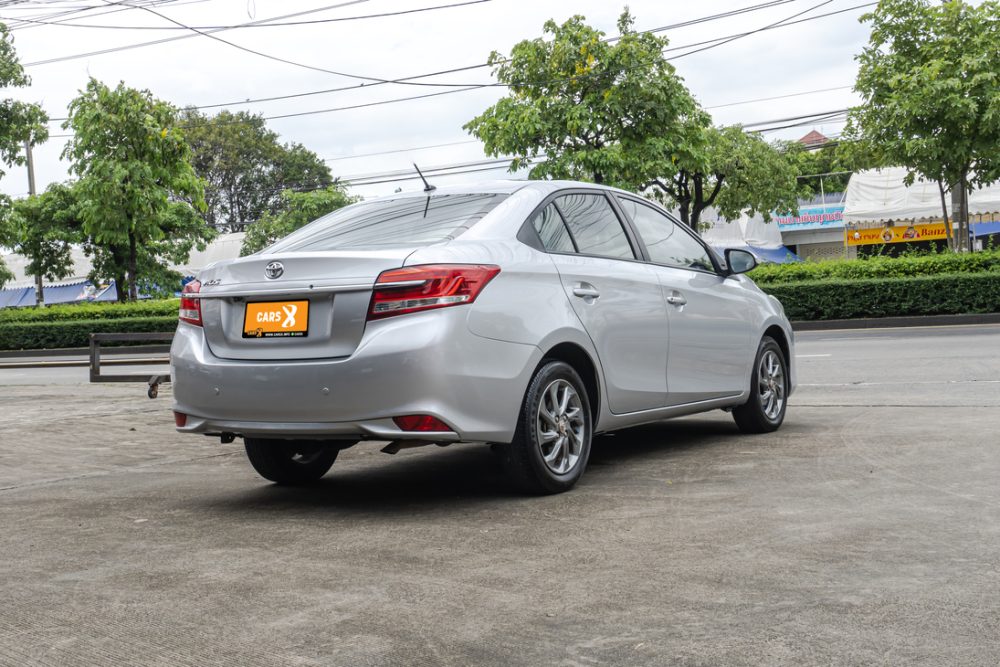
pixel 586 291
pixel 676 299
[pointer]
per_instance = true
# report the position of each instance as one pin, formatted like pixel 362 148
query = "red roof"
pixel 813 138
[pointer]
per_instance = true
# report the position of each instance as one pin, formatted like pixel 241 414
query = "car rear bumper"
pixel 424 363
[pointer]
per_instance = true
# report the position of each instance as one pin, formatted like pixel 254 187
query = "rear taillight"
pixel 416 288
pixel 191 308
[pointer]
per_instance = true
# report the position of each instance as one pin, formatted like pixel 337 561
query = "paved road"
pixel 867 530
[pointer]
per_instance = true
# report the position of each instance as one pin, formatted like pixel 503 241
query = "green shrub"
pixel 889 297
pixel 878 267
pixel 28 335
pixel 91 311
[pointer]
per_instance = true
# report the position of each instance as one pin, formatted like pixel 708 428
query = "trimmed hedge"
pixel 92 311
pixel 878 267
pixel 28 335
pixel 889 297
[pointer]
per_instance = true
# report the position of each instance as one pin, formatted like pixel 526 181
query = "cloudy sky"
pixel 814 55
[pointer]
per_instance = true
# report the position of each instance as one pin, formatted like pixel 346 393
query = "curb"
pixel 897 322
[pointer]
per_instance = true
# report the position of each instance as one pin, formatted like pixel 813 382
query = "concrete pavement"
pixel 866 530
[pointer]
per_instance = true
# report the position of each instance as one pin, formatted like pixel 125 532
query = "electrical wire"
pixel 453 70
pixel 251 25
pixel 753 32
pixel 294 63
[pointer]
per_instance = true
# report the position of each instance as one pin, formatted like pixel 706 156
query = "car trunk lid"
pixel 291 305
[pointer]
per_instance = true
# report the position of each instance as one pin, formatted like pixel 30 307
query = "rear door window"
pixel 407 221
pixel 595 226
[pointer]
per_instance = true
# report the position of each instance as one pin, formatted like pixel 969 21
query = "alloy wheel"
pixel 771 384
pixel 560 426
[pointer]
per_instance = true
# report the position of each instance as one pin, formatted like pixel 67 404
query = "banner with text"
pixel 935 231
pixel 830 216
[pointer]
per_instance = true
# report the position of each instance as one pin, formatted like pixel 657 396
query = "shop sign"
pixel 935 231
pixel 830 216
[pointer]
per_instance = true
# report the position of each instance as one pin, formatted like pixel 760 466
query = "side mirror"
pixel 739 261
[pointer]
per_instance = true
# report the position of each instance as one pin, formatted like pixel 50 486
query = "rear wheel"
pixel 291 461
pixel 551 445
pixel 765 409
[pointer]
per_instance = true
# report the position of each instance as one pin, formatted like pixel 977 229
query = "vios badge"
pixel 274 270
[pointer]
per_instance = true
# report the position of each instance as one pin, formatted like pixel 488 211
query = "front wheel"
pixel 551 445
pixel 290 462
pixel 765 409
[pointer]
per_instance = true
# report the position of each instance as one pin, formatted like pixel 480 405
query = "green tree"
pixel 584 108
pixel 298 209
pixel 20 123
pixel 930 86
pixel 245 168
pixel 737 172
pixel 139 196
pixel 42 229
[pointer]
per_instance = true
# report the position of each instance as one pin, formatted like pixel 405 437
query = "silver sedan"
pixel 528 315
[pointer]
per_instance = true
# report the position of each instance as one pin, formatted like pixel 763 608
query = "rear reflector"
pixel 191 308
pixel 422 423
pixel 416 288
pixel 180 419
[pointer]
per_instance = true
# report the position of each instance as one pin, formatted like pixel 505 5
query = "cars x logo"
pixel 289 311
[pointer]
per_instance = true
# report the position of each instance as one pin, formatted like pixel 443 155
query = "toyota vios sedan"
pixel 528 315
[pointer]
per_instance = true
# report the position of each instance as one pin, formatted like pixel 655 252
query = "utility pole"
pixel 39 287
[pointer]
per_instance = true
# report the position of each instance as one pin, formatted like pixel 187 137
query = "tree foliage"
pixel 298 209
pixel 584 108
pixel 138 194
pixel 930 85
pixel 20 122
pixel 738 172
pixel 245 168
pixel 42 228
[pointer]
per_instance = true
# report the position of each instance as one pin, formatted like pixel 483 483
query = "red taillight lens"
pixel 415 288
pixel 180 419
pixel 423 423
pixel 191 308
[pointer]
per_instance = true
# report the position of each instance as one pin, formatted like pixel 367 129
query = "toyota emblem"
pixel 274 270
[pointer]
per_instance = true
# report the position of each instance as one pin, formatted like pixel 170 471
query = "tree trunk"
pixel 39 291
pixel 958 213
pixel 133 293
pixel 944 214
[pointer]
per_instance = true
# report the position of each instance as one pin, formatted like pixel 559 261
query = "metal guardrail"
pixel 154 381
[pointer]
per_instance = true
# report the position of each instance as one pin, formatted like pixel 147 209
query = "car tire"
pixel 551 444
pixel 291 462
pixel 764 410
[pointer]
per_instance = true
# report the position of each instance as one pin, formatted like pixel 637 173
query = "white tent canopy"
pixel 226 246
pixel 745 230
pixel 879 195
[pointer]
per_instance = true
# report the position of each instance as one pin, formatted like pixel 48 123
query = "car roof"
pixel 499 187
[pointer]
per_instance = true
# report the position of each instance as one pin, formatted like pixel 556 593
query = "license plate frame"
pixel 271 319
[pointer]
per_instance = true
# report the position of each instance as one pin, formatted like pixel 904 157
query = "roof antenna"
pixel 427 186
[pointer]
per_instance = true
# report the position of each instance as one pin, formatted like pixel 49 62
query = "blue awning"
pixel 985 228
pixel 17 296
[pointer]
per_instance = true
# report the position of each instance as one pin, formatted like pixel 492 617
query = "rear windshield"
pixel 408 221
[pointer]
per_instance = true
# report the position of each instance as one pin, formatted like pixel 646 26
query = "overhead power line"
pixel 294 63
pixel 467 68
pixel 234 26
pixel 164 40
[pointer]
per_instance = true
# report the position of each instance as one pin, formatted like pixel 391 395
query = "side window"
pixel 664 242
pixel 595 226
pixel 549 225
